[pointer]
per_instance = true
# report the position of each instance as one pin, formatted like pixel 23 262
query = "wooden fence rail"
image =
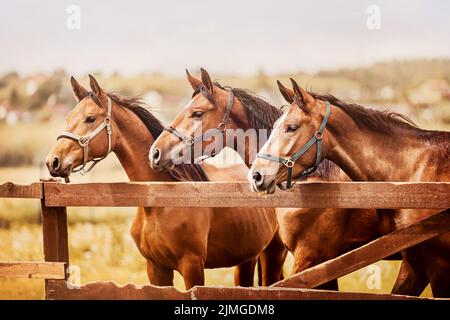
pixel 55 197
pixel 381 195
pixel 32 269
pixel 12 190
pixel 216 194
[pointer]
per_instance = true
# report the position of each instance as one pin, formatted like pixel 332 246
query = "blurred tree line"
pixel 39 93
pixel 403 76
pixel 43 100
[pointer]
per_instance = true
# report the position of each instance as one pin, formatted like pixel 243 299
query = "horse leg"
pixel 192 268
pixel 440 284
pixel 272 260
pixel 243 273
pixel 158 275
pixel 410 281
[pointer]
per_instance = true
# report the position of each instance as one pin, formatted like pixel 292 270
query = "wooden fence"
pixel 55 197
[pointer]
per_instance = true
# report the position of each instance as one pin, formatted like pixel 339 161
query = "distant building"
pixel 31 87
pixel 354 94
pixel 153 98
pixel 3 112
pixel 387 93
pixel 34 82
pixel 12 118
pixel 429 92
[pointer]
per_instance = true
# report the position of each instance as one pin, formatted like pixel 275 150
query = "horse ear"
pixel 206 79
pixel 288 94
pixel 98 91
pixel 306 99
pixel 78 91
pixel 196 84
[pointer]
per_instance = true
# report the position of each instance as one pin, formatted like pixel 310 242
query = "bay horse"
pixel 369 145
pixel 183 239
pixel 312 235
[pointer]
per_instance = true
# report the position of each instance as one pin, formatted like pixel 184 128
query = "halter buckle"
pixel 189 141
pixel 84 141
pixel 222 126
pixel 107 121
pixel 318 135
pixel 289 163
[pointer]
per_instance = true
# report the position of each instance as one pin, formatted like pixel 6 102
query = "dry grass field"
pixel 101 246
pixel 100 243
pixel 105 251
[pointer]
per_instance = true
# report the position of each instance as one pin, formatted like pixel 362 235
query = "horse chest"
pixel 153 248
pixel 155 238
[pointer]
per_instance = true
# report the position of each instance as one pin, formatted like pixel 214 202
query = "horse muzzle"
pixel 158 162
pixel 57 168
pixel 262 183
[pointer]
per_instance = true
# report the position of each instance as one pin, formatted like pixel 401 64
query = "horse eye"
pixel 90 119
pixel 197 114
pixel 291 128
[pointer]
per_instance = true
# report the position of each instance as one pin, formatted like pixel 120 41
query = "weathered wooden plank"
pixel 32 269
pixel 111 291
pixel 56 246
pixel 370 253
pixel 12 190
pixel 237 194
pixel 267 293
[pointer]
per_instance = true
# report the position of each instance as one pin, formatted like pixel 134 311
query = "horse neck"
pixel 366 155
pixel 239 119
pixel 133 142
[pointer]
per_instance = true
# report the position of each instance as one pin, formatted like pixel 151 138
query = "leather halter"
pixel 222 127
pixel 83 141
pixel 289 163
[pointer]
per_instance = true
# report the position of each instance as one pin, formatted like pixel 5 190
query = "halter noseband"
pixel 222 127
pixel 83 141
pixel 289 163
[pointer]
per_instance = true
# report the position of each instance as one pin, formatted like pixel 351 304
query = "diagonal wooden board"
pixel 370 253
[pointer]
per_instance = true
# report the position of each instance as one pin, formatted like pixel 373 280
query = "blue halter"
pixel 289 163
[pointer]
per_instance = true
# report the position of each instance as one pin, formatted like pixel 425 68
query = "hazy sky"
pixel 223 36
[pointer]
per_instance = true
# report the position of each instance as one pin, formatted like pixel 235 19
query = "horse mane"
pixel 182 172
pixel 137 106
pixel 260 113
pixel 384 121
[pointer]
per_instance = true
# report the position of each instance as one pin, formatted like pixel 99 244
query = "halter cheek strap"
pixel 289 163
pixel 222 127
pixel 83 141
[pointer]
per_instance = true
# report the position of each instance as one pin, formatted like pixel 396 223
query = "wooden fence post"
pixel 56 247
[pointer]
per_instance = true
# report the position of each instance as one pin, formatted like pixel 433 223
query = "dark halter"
pixel 289 163
pixel 222 127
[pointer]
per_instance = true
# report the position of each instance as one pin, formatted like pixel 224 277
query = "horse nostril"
pixel 257 177
pixel 156 156
pixel 55 163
